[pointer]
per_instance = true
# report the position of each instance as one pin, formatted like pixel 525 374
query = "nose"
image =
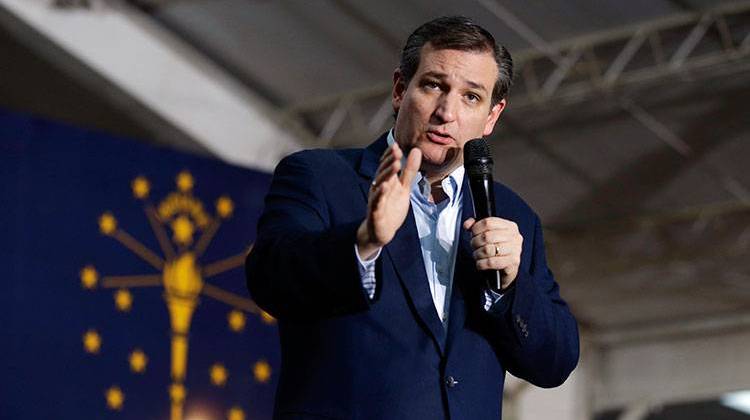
pixel 447 107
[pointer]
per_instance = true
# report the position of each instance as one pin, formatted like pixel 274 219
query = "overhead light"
pixel 739 401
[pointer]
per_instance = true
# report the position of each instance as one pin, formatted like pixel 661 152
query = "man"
pixel 371 261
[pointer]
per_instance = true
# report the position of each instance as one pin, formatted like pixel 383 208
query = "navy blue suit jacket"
pixel 346 357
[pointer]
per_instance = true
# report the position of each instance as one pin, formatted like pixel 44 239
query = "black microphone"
pixel 478 164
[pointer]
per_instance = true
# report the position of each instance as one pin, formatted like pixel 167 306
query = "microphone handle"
pixel 483 198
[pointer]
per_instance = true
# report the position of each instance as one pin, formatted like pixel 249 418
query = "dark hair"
pixel 457 33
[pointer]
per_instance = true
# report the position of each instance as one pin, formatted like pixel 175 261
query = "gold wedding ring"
pixel 497 250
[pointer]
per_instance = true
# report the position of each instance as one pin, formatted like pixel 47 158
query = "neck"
pixel 434 175
pixel 435 179
pixel 437 194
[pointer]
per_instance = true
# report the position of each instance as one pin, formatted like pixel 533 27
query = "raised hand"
pixel 388 200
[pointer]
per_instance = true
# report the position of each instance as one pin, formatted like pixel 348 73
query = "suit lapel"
pixel 468 290
pixel 404 252
pixel 369 162
pixel 464 270
pixel 467 210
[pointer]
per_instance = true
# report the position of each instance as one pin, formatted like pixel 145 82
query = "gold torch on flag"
pixel 123 292
pixel 183 229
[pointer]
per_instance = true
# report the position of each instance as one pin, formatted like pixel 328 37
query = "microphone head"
pixel 476 148
pixel 477 159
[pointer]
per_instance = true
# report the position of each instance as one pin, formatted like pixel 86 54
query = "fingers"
pixel 375 203
pixel 412 166
pixel 497 263
pixel 497 244
pixel 493 250
pixel 493 223
pixel 384 174
pixel 392 150
pixel 390 164
pixel 385 162
pixel 387 159
pixel 492 237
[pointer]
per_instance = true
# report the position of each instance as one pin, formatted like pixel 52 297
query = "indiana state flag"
pixel 123 293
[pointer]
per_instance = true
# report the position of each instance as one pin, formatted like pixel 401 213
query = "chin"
pixel 440 154
pixel 441 164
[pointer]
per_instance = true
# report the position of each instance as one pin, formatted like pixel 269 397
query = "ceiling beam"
pixel 659 167
pixel 371 25
pixel 138 56
pixel 565 74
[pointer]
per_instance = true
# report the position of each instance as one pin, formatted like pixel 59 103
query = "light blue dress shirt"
pixel 438 228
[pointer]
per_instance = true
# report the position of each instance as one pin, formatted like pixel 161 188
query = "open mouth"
pixel 439 138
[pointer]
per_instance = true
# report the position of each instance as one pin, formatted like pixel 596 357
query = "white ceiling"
pixel 643 188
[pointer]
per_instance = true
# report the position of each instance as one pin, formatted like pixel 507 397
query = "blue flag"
pixel 123 291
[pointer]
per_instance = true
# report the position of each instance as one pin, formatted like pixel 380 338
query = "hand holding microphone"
pixel 496 242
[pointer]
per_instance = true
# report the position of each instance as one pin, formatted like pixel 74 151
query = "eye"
pixel 429 84
pixel 472 97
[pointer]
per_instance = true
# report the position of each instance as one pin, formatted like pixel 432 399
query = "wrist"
pixel 366 247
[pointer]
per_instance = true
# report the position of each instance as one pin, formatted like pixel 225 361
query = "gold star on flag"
pixel 185 181
pixel 235 413
pixel 89 277
pixel 138 361
pixel 123 300
pixel 107 223
pixel 92 342
pixel 141 187
pixel 218 374
pixel 236 321
pixel 262 371
pixel 224 206
pixel 115 398
pixel 183 230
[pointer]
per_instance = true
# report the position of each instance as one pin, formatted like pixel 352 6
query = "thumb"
pixel 468 223
pixel 412 166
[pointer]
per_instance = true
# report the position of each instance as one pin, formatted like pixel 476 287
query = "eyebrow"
pixel 441 76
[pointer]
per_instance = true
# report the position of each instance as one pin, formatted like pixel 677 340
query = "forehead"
pixel 462 66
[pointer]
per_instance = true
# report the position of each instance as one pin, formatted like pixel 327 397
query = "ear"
pixel 399 89
pixel 493 116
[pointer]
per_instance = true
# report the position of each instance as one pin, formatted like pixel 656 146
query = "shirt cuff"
pixel 367 272
pixel 490 298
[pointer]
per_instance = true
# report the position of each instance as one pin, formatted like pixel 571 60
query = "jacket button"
pixel 450 382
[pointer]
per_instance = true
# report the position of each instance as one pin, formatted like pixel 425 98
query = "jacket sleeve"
pixel 538 334
pixel 301 266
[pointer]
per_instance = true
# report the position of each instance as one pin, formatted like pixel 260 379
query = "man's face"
pixel 446 104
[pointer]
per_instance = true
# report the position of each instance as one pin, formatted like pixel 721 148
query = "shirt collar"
pixel 452 184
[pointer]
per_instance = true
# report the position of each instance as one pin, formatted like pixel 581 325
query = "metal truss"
pixel 712 42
